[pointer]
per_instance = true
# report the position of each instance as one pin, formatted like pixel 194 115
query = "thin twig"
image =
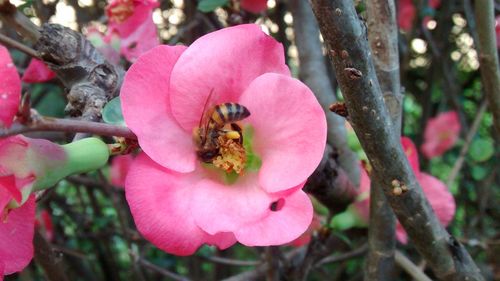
pixel 465 148
pixel 17 45
pixel 488 56
pixel 68 125
pixel 343 257
pixel 410 268
pixel 232 262
pixel 160 270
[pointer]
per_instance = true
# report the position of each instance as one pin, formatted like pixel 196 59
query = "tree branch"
pixel 313 71
pixel 68 125
pixel 410 268
pixel 488 57
pixel 346 39
pixel 383 38
pixel 21 47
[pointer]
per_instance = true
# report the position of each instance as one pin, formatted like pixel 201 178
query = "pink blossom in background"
pixel 441 133
pixel 132 20
pixel 406 14
pixel 37 72
pixel 44 222
pixel 440 198
pixel 107 45
pixel 497 30
pixel 305 238
pixel 177 202
pixel 10 88
pixel 254 6
pixel 16 237
pixel 120 166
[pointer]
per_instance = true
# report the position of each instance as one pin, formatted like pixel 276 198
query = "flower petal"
pixel 245 209
pixel 146 110
pixel 159 200
pixel 411 153
pixel 16 237
pixel 143 39
pixel 225 61
pixel 290 130
pixel 120 166
pixel 254 6
pixel 10 89
pixel 37 72
pixel 441 133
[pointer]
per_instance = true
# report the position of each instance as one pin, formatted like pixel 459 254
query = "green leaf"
pixel 112 112
pixel 479 172
pixel 481 150
pixel 210 5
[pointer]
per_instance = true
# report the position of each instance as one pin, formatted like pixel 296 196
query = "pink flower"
pixel 179 203
pixel 120 166
pixel 44 222
pixel 497 30
pixel 441 133
pixel 37 72
pixel 254 6
pixel 16 238
pixel 406 14
pixel 10 89
pixel 132 20
pixel 436 191
pixel 305 238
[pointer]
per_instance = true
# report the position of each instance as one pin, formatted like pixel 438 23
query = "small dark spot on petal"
pixel 277 205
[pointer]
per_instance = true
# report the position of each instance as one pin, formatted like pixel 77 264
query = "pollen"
pixel 232 155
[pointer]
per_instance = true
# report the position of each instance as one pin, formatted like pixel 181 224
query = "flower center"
pixel 121 11
pixel 232 155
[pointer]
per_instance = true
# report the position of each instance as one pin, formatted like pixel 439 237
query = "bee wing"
pixel 206 114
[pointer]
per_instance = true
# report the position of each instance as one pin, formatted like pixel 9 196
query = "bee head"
pixel 207 155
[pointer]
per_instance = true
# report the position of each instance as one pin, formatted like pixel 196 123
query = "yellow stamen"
pixel 232 155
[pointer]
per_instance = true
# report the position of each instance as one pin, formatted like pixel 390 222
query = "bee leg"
pixel 238 129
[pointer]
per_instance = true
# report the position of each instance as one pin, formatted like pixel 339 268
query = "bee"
pixel 216 121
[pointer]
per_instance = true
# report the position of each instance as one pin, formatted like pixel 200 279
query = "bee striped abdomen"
pixel 229 112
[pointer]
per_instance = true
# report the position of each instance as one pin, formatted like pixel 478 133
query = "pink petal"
pixel 497 30
pixel 16 237
pixel 120 166
pixel 225 61
pixel 441 133
pixel 10 89
pixel 8 183
pixel 146 109
pixel 290 130
pixel 305 238
pixel 254 6
pixel 434 3
pixel 143 39
pixel 362 203
pixel 37 72
pixel 406 14
pixel 127 16
pixel 160 202
pixel 411 153
pixel 245 209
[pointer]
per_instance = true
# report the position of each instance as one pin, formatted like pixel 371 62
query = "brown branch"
pixel 314 73
pixel 346 39
pixel 488 57
pixel 232 262
pixel 383 38
pixel 17 45
pixel 49 260
pixel 17 20
pixel 345 256
pixel 414 271
pixel 68 125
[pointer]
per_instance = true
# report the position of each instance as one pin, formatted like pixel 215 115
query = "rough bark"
pixel 91 80
pixel 347 42
pixel 488 57
pixel 383 39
